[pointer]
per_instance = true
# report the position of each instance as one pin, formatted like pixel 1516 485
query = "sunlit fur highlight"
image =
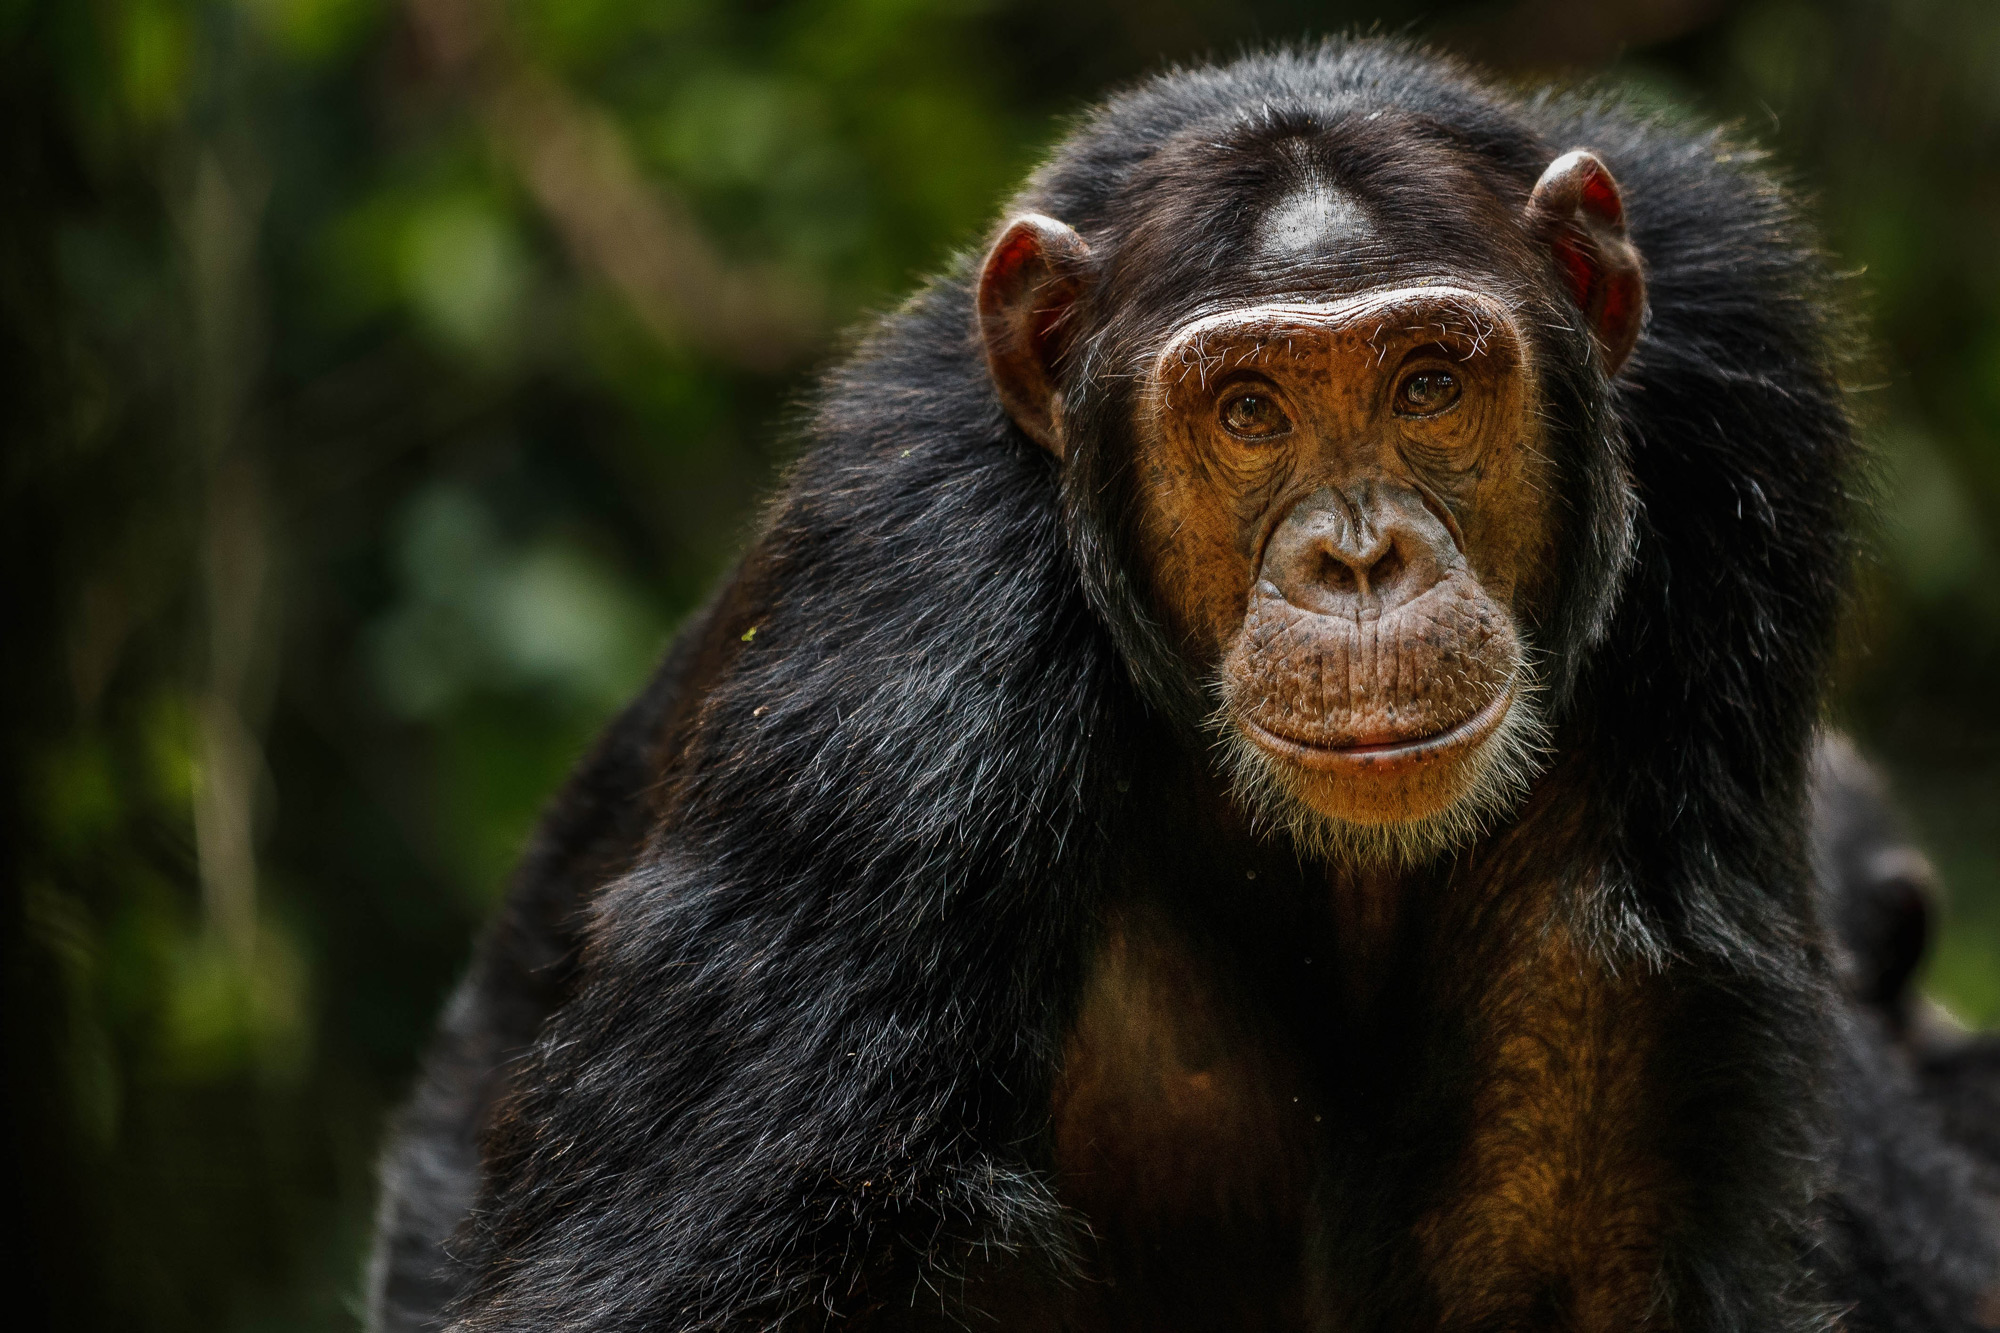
pixel 1497 775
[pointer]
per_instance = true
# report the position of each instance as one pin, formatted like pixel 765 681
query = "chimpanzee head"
pixel 1328 383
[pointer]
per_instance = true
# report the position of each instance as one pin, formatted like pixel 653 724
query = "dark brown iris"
pixel 1254 416
pixel 1426 392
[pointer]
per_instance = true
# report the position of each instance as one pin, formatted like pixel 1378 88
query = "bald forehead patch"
pixel 1316 218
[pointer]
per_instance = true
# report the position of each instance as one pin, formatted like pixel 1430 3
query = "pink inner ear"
pixel 1046 320
pixel 1620 302
pixel 1006 270
pixel 1579 269
pixel 1007 260
pixel 1600 199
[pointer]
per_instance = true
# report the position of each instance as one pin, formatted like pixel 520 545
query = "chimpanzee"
pixel 1878 892
pixel 1917 1150
pixel 1253 776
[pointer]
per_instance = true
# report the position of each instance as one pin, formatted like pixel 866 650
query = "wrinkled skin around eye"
pixel 1253 416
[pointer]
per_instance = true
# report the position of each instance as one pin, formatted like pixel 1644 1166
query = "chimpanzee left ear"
pixel 1579 213
pixel 1031 278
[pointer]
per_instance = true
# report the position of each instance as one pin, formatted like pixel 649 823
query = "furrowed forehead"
pixel 1379 323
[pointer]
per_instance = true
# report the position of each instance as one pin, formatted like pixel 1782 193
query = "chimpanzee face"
pixel 1341 500
pixel 1345 502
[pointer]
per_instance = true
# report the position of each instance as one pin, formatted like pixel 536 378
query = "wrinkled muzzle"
pixel 1375 678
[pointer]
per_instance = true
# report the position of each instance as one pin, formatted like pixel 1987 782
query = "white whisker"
pixel 1503 768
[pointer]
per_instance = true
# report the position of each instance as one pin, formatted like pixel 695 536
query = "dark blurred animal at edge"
pixel 1260 772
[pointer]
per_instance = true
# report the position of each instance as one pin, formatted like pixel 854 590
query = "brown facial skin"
pixel 1346 501
pixel 1342 500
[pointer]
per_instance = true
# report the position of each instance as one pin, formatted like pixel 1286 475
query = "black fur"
pixel 840 868
pixel 1878 892
pixel 1919 1163
pixel 523 970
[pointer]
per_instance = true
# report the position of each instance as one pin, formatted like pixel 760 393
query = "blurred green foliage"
pixel 387 377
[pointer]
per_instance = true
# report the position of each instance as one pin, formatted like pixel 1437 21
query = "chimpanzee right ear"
pixel 1031 279
pixel 1578 211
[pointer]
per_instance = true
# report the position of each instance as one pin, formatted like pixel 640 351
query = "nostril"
pixel 1336 575
pixel 1344 557
pixel 1383 574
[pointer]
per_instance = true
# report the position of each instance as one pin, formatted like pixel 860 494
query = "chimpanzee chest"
pixel 1231 1179
pixel 1184 1135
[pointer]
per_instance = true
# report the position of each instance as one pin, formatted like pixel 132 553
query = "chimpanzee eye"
pixel 1254 416
pixel 1425 392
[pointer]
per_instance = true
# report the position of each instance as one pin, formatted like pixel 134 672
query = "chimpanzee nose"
pixel 1366 548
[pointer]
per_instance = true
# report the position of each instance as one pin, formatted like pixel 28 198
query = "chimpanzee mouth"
pixel 1387 756
pixel 1404 800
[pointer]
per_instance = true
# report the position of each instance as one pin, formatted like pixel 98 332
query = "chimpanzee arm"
pixel 811 1041
pixel 522 970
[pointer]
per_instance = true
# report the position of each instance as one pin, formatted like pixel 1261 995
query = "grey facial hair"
pixel 1503 769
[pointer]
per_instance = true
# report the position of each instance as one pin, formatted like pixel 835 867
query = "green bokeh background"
pixel 385 378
